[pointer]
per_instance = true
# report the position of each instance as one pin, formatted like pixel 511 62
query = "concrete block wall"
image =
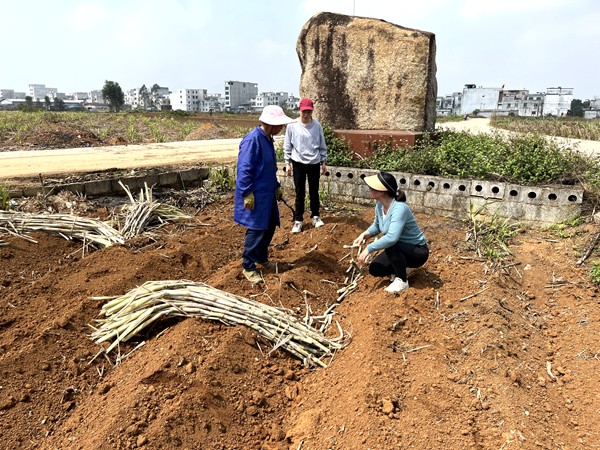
pixel 110 186
pixel 457 197
pixel 434 195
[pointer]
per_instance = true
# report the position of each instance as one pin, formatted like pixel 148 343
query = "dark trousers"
pixel 395 259
pixel 256 243
pixel 302 172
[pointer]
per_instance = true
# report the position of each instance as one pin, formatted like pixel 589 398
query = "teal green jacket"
pixel 399 225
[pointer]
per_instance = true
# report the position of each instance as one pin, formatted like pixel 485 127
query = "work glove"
pixel 249 201
pixel 278 194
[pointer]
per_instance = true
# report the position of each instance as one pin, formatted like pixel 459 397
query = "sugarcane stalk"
pixel 129 314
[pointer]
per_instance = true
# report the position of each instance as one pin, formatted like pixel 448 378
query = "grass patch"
pixel 569 127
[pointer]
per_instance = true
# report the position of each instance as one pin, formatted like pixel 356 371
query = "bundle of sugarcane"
pixel 127 315
pixel 144 212
pixel 92 232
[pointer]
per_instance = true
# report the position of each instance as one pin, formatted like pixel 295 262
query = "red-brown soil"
pixel 52 134
pixel 434 367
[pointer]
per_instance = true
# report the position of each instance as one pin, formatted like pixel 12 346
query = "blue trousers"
pixel 256 243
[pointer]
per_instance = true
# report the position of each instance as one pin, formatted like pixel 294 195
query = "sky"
pixel 75 45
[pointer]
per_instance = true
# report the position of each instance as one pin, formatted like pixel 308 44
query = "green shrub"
pixel 532 159
pixel 338 153
pixel 4 198
pixel 595 273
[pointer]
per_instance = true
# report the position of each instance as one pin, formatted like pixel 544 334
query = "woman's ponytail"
pixel 389 182
pixel 400 196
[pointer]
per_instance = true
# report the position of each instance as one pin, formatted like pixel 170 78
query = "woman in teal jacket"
pixel 257 190
pixel 403 243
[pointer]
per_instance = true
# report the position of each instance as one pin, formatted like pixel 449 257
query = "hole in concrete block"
pixel 402 180
pixel 446 185
pixel 327 174
pixel 338 174
pixel 417 182
pixel 572 198
pixel 350 175
pixel 495 189
pixel 513 193
pixel 479 188
pixel 431 184
pixel 462 188
pixel 552 197
pixel 532 195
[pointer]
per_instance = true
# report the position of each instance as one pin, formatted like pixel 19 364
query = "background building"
pixel 40 91
pixel 269 98
pixel 188 99
pixel 239 95
pixel 504 102
pixel 557 101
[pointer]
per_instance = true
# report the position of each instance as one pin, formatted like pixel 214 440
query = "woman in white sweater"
pixel 305 153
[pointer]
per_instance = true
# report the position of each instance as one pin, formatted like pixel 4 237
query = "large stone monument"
pixel 368 74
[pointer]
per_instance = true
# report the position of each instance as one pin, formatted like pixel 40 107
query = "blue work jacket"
pixel 256 172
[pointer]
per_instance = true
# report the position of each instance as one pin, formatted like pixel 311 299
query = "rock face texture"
pixel 368 74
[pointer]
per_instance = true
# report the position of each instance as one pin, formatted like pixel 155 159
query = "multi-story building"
pixel 593 112
pixel 40 92
pixel 10 94
pixel 557 101
pixel 79 96
pixel 216 102
pixel 188 100
pixel 504 102
pixel 480 99
pixel 239 95
pixel 269 98
pixel 450 104
pixel 96 97
pixel 292 103
pixel 154 98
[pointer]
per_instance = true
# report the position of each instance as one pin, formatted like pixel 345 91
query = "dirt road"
pixel 22 164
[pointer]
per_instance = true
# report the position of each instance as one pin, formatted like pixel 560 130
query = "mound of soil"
pixel 467 358
pixel 210 131
pixel 58 135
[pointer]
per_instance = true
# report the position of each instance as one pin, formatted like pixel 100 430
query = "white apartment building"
pixel 40 91
pixel 449 104
pixel 504 102
pixel 293 103
pixel 269 98
pixel 79 96
pixel 11 94
pixel 96 97
pixel 216 102
pixel 557 101
pixel 132 97
pixel 520 103
pixel 483 100
pixel 239 95
pixel 189 100
pixel 156 98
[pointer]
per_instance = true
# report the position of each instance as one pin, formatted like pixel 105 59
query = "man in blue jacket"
pixel 257 191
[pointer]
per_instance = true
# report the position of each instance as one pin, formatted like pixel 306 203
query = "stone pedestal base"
pixel 361 141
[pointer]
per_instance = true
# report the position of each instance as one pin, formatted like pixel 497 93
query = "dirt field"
pixel 467 358
pixel 515 366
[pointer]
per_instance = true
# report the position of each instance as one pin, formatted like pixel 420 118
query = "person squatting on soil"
pixel 403 243
pixel 257 191
pixel 305 153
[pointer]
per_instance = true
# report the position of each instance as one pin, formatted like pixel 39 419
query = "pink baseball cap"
pixel 274 115
pixel 306 104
